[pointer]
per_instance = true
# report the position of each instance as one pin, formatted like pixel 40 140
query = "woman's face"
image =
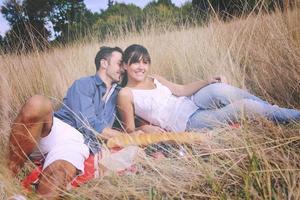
pixel 137 71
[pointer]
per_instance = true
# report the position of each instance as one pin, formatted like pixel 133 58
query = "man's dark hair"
pixel 105 53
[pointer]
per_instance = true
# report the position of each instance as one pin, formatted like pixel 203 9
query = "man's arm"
pixel 108 133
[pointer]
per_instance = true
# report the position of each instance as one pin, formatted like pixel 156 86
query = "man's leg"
pixel 66 153
pixel 33 122
pixel 55 178
pixel 218 95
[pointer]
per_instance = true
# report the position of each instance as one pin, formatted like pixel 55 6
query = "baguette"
pixel 152 138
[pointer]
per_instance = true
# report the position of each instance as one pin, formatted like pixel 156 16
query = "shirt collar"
pixel 98 80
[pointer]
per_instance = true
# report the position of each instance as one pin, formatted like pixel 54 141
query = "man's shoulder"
pixel 85 85
pixel 85 79
pixel 85 82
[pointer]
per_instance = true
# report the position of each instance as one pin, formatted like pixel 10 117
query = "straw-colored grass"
pixel 258 161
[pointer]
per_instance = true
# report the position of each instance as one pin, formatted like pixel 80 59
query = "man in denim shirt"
pixel 66 138
pixel 90 102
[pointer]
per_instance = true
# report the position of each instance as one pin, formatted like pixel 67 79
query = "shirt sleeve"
pixel 81 102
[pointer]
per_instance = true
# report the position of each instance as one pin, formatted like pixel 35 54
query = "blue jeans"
pixel 221 104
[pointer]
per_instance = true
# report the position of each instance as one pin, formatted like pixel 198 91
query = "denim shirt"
pixel 85 109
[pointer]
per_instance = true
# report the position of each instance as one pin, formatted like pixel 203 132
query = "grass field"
pixel 260 53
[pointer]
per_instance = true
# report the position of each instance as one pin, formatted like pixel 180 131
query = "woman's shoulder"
pixel 156 79
pixel 153 77
pixel 125 92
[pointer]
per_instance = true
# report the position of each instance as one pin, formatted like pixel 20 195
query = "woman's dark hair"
pixel 133 54
pixel 105 53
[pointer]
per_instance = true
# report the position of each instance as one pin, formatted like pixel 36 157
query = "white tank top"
pixel 161 108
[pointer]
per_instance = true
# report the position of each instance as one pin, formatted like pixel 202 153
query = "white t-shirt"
pixel 161 108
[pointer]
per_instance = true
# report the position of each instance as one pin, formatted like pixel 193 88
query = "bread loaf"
pixel 152 138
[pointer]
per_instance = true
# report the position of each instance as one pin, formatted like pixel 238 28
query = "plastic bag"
pixel 120 160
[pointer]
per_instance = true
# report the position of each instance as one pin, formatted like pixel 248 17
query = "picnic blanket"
pixel 120 156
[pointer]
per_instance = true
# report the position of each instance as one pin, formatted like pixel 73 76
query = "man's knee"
pixel 36 108
pixel 63 167
pixel 55 178
pixel 60 172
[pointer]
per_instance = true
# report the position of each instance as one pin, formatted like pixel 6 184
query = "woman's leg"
pixel 218 95
pixel 233 112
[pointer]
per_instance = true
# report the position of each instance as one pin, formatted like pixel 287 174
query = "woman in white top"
pixel 173 107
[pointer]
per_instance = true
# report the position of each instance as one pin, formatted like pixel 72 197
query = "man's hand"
pixel 108 133
pixel 151 129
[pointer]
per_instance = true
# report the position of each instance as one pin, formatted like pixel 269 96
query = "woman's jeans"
pixel 221 104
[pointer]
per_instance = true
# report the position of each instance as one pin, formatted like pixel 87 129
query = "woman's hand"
pixel 217 79
pixel 151 129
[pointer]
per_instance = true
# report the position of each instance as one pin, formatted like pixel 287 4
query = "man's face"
pixel 114 68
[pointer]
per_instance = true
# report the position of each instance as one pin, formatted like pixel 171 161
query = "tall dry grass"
pixel 258 161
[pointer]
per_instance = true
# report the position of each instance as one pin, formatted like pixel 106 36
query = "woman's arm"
pixel 190 88
pixel 126 110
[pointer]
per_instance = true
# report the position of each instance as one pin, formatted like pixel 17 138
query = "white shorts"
pixel 63 143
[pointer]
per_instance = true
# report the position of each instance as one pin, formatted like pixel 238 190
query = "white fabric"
pixel 63 143
pixel 160 107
